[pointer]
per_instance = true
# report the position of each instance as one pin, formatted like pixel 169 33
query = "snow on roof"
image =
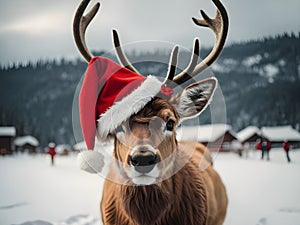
pixel 203 133
pixel 248 132
pixel 280 133
pixel 61 148
pixel 8 131
pixel 20 141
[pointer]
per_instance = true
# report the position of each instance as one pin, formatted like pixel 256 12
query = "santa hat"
pixel 109 95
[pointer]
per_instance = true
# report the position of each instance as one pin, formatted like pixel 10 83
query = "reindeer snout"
pixel 143 161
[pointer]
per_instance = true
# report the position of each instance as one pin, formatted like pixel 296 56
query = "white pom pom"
pixel 90 161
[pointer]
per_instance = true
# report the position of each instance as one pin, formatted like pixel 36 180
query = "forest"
pixel 260 81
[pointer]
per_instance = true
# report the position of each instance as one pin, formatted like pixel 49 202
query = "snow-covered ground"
pixel 261 192
pixel 34 193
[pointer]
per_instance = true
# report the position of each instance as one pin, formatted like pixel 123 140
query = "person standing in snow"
pixel 265 146
pixel 52 152
pixel 269 146
pixel 286 147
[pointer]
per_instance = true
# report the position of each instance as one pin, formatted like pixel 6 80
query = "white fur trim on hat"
pixel 120 111
pixel 90 161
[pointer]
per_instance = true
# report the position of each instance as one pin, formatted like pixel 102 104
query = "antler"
pixel 120 54
pixel 80 25
pixel 219 25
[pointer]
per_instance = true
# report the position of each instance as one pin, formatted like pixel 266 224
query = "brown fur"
pixel 190 197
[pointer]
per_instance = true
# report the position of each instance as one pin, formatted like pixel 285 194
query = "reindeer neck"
pixel 181 200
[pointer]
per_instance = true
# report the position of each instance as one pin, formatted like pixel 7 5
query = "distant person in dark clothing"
pixel 52 152
pixel 286 147
pixel 265 146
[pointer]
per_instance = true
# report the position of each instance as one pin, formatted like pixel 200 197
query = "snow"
pixel 269 71
pixel 20 141
pixel 225 66
pixel 247 133
pixel 252 60
pixel 282 62
pixel 281 133
pixel 217 67
pixel 230 62
pixel 61 148
pixel 260 192
pixel 8 131
pixel 31 189
pixel 203 133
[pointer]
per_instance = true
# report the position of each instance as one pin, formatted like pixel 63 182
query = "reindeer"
pixel 163 184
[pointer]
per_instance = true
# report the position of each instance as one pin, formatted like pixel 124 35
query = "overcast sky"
pixel 33 29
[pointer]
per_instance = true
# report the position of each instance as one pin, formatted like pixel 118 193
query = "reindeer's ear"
pixel 194 98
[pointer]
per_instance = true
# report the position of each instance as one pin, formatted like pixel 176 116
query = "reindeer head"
pixel 145 142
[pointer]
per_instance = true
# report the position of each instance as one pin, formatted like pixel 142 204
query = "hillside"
pixel 260 81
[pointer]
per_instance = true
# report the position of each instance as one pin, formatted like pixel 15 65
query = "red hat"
pixel 110 94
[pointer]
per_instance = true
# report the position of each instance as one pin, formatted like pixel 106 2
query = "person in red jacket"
pixel 52 152
pixel 258 145
pixel 286 147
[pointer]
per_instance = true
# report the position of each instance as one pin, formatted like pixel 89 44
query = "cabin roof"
pixel 62 147
pixel 7 131
pixel 23 140
pixel 204 133
pixel 280 133
pixel 248 132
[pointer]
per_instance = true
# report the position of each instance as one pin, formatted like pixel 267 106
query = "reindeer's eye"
pixel 170 125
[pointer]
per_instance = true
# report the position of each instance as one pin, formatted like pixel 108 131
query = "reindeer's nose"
pixel 143 161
